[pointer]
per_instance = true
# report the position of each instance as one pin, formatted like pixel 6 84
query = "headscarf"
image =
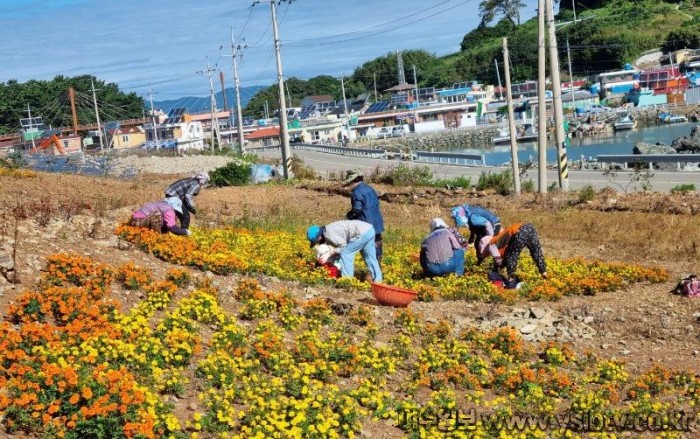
pixel 202 178
pixel 437 223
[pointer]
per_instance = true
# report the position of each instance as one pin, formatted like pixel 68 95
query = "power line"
pixel 383 31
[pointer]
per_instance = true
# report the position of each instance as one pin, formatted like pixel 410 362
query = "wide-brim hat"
pixel 351 177
pixel 175 203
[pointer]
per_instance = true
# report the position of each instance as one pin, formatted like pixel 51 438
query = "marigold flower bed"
pixel 286 255
pixel 76 366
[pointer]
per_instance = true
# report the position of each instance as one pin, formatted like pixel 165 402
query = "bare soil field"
pixel 643 326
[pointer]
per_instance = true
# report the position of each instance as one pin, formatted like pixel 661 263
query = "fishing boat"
pixel 624 122
pixel 672 118
pixel 527 134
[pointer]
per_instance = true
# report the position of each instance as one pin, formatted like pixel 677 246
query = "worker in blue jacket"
pixel 365 207
pixel 481 221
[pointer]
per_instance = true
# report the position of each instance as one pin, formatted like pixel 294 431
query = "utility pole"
pixel 31 125
pixel 415 85
pixel 556 99
pixel 498 75
pixel 223 89
pixel 415 90
pixel 71 97
pixel 345 101
pixel 541 100
pixel 511 119
pixel 214 119
pixel 571 77
pixel 284 137
pixel 237 83
pixel 374 75
pixel 153 116
pixel 345 106
pixel 97 113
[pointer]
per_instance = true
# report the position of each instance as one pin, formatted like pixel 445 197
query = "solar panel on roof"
pixel 400 98
pixel 307 111
pixel 378 107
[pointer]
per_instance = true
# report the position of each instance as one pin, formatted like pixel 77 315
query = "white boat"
pixel 676 119
pixel 672 118
pixel 528 134
pixel 625 122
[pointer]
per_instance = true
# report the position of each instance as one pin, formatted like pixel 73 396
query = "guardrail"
pixel 341 150
pixel 451 158
pixel 261 148
pixel 650 159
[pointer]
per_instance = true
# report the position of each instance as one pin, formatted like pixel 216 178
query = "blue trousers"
pixel 453 265
pixel 365 245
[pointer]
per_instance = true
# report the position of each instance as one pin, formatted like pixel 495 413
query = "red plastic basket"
pixel 393 296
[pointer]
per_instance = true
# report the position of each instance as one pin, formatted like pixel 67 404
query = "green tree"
pixel 49 100
pixel 509 9
pixel 686 37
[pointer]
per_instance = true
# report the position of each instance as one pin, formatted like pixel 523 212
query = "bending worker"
pixel 186 189
pixel 473 217
pixel 441 252
pixel 505 248
pixel 159 216
pixel 348 237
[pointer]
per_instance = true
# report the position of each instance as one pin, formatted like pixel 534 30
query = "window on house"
pixel 125 139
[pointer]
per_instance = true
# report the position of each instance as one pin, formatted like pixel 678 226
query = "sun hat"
pixel 351 177
pixel 202 178
pixel 175 203
pixel 313 234
pixel 437 223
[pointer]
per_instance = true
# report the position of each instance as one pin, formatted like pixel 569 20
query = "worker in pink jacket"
pixel 160 216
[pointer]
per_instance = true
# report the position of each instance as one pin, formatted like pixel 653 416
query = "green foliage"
pixel 687 36
pixel 508 9
pixel 14 160
pixel 301 170
pixel 586 194
pixel 235 173
pixel 528 186
pixel 683 188
pixel 476 37
pixel 44 95
pixel 501 182
pixel 452 183
pixel 403 175
pixel 385 70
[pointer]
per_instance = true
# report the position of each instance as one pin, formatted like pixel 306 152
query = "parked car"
pixel 383 133
pixel 597 109
pixel 397 131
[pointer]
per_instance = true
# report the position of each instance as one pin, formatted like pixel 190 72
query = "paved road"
pixel 661 181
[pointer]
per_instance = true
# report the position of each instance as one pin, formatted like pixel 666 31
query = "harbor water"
pixel 621 142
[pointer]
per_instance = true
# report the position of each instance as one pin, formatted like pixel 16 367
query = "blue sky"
pixel 165 45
